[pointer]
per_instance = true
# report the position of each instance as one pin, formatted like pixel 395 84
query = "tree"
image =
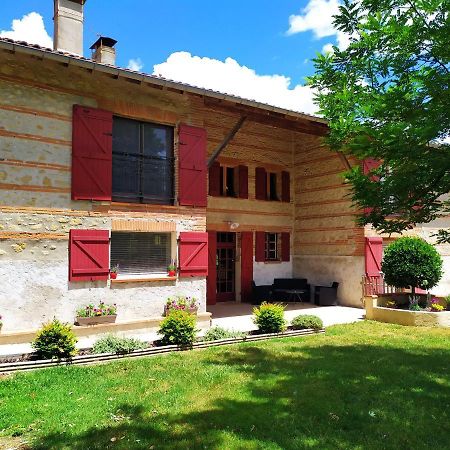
pixel 411 262
pixel 387 98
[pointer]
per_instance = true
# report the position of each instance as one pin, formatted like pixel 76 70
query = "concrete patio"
pixel 238 316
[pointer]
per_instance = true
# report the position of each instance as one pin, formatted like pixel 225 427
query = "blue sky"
pixel 265 38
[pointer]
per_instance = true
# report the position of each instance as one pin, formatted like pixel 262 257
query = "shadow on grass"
pixel 324 397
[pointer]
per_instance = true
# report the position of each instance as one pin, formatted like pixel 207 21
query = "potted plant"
pixel 181 302
pixel 93 315
pixel 172 269
pixel 113 272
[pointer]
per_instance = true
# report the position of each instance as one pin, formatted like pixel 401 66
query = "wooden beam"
pixel 344 160
pixel 225 142
pixel 269 118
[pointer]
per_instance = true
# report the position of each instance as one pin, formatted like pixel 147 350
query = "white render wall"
pixel 322 270
pixel 35 288
pixel 264 273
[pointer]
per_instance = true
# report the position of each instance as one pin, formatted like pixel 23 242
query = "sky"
pixel 256 49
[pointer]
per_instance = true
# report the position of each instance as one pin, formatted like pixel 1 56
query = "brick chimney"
pixel 68 26
pixel 103 50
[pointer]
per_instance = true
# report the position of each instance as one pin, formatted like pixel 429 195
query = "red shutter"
pixel 192 166
pixel 91 154
pixel 285 247
pixel 214 180
pixel 260 183
pixel 373 256
pixel 285 187
pixel 246 265
pixel 243 182
pixel 370 164
pixel 88 255
pixel 193 254
pixel 211 281
pixel 260 246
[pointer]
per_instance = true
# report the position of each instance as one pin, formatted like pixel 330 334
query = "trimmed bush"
pixel 412 262
pixel 304 321
pixel 178 328
pixel 55 340
pixel 216 333
pixel 119 345
pixel 269 317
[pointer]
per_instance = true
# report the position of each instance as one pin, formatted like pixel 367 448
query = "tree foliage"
pixel 412 262
pixel 387 97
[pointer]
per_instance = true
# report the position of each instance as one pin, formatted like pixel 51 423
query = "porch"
pixel 238 316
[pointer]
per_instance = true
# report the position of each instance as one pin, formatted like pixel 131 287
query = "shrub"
pixel 269 317
pixel 447 301
pixel 412 262
pixel 178 328
pixel 216 333
pixel 181 302
pixel 55 340
pixel 436 307
pixel 115 344
pixel 304 321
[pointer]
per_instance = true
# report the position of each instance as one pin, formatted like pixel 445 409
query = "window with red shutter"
pixel 243 181
pixel 88 255
pixel 285 187
pixel 285 247
pixel 192 166
pixel 91 154
pixel 373 256
pixel 260 246
pixel 214 180
pixel 260 183
pixel 193 254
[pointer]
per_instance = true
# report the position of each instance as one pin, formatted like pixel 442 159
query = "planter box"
pixel 189 310
pixel 95 320
pixel 374 311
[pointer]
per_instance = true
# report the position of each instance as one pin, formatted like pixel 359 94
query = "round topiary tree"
pixel 411 262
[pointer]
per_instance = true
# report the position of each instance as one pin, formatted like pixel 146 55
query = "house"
pixel 102 166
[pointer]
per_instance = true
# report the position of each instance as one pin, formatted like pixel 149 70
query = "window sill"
pixel 273 261
pixel 143 279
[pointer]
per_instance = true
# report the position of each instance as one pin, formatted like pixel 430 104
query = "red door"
pixel 246 265
pixel 211 281
pixel 226 263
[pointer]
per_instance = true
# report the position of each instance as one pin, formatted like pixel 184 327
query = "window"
pixel 141 252
pixel 271 247
pixel 143 162
pixel 273 186
pixel 230 188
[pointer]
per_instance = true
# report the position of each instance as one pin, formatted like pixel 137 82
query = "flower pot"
pixel 172 273
pixel 113 275
pixel 95 320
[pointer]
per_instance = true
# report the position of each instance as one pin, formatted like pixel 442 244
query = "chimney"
pixel 103 50
pixel 68 26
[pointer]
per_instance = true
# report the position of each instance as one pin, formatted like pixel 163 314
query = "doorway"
pixel 226 267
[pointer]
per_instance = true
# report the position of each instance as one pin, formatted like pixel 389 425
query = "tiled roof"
pixel 24 46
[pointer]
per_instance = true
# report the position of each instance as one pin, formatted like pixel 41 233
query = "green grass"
pixel 361 386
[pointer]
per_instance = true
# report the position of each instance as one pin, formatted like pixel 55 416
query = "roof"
pixel 71 59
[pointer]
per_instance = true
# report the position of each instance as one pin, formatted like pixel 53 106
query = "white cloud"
pixel 230 77
pixel 317 17
pixel 135 64
pixel 30 28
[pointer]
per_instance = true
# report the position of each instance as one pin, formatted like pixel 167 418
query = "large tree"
pixel 387 99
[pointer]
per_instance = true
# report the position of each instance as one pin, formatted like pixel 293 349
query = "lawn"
pixel 362 386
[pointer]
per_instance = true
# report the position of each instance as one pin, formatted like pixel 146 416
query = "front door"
pixel 226 256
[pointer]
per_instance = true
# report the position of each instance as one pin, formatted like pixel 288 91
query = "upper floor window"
pixel 228 181
pixel 272 194
pixel 142 162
